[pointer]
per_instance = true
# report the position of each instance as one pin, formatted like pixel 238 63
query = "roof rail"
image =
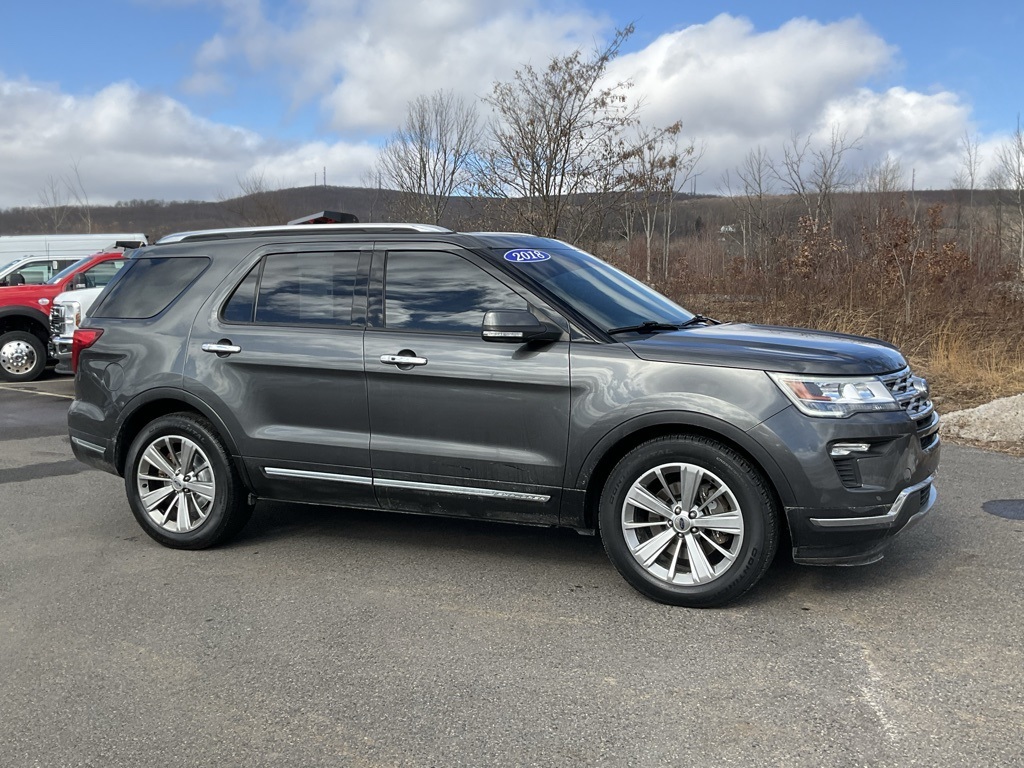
pixel 300 231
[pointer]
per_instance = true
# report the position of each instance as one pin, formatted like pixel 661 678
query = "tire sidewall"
pixel 760 525
pixel 218 520
pixel 37 346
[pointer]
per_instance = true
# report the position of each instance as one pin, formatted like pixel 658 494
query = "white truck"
pixel 66 314
pixel 34 259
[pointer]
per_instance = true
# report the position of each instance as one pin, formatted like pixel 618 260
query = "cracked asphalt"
pixel 347 638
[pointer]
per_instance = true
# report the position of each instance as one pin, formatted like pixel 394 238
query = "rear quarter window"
pixel 147 286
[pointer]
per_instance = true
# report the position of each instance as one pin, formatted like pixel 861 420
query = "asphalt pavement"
pixel 327 637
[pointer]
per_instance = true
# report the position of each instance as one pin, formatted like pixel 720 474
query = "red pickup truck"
pixel 25 313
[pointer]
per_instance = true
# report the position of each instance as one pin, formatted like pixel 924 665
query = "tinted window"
pixel 147 286
pixel 243 301
pixel 307 288
pixel 441 292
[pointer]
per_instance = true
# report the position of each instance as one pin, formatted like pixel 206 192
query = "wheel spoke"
pixel 675 560
pixel 188 452
pixel 726 522
pixel 184 523
pixel 151 501
pixel 723 552
pixel 700 568
pixel 690 478
pixel 201 489
pixel 641 497
pixel 664 484
pixel 656 523
pixel 710 499
pixel 651 549
pixel 156 459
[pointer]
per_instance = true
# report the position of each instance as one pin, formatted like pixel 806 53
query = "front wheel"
pixel 688 521
pixel 181 484
pixel 22 356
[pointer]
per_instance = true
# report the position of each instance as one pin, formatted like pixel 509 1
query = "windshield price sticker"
pixel 526 256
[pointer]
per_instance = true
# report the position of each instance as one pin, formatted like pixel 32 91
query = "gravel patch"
pixel 998 424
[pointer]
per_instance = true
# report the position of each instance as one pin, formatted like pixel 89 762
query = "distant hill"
pixel 158 218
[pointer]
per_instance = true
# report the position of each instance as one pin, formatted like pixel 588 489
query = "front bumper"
pixel 852 485
pixel 860 539
pixel 60 350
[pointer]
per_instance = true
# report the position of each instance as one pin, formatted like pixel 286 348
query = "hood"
pixel 771 348
pixel 27 294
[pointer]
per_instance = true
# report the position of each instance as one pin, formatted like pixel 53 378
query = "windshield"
pixel 66 271
pixel 8 265
pixel 603 294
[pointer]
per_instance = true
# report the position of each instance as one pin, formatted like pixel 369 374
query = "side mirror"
pixel 517 326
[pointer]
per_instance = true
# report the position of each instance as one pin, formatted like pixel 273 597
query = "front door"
pixel 460 425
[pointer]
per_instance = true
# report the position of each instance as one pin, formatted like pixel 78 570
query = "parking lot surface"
pixel 337 637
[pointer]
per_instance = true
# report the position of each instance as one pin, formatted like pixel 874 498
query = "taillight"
pixel 83 339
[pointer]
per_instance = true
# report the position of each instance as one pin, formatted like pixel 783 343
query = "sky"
pixel 180 99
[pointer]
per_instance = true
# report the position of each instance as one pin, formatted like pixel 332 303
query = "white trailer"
pixel 35 258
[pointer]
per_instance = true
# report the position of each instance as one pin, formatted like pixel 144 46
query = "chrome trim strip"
pixel 460 490
pixel 304 473
pixel 889 517
pixel 92 447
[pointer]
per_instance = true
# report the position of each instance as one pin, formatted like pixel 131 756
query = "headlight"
pixel 836 396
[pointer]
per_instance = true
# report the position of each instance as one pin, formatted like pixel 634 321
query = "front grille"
pixel 911 392
pixel 57 319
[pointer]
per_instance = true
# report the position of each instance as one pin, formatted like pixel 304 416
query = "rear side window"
pixel 297 289
pixel 147 286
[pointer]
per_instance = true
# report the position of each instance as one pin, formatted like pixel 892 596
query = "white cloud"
pixel 362 61
pixel 737 88
pixel 128 144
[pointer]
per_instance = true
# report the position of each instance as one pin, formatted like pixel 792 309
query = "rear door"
pixel 460 425
pixel 281 354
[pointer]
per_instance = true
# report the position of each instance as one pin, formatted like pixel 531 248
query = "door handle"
pixel 222 348
pixel 403 360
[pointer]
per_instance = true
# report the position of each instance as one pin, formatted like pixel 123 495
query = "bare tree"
pixel 427 158
pixel 966 178
pixel 76 190
pixel 815 173
pixel 1008 177
pixel 257 205
pixel 63 196
pixel 556 141
pixel 650 170
pixel 54 206
pixel 751 194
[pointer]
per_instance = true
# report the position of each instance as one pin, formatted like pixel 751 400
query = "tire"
pixel 182 486
pixel 22 356
pixel 688 521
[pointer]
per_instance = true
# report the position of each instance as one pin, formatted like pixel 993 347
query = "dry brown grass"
pixel 967 366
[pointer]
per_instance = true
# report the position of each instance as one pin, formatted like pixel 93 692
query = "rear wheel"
pixel 687 521
pixel 22 356
pixel 182 486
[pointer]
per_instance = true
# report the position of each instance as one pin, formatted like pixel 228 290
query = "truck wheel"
pixel 22 356
pixel 182 486
pixel 687 521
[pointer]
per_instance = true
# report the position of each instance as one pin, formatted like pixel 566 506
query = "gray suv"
pixel 496 376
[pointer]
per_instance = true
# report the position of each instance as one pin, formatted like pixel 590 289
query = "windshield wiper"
pixel 700 319
pixel 650 326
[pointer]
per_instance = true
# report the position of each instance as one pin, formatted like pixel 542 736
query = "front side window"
pixel 100 275
pixel 441 293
